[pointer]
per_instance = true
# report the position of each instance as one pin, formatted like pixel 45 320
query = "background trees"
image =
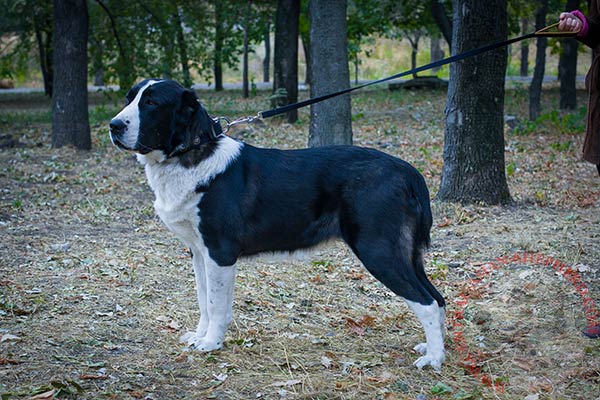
pixel 198 41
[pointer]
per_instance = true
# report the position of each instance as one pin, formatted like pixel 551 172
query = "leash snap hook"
pixel 229 123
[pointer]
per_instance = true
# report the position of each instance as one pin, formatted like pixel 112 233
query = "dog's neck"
pixel 200 139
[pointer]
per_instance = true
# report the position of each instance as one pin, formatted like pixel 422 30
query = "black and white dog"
pixel 226 199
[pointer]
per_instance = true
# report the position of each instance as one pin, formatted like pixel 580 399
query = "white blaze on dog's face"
pixel 125 126
pixel 161 117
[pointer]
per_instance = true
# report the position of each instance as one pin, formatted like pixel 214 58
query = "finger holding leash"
pixel 569 22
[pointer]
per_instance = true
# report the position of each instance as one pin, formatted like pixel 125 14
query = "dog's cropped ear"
pixel 202 127
pixel 189 104
pixel 193 126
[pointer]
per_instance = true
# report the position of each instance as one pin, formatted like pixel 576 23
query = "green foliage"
pixel 565 123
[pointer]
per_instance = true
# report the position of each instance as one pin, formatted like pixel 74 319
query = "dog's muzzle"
pixel 117 130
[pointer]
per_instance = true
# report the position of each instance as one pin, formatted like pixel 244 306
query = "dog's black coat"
pixel 273 200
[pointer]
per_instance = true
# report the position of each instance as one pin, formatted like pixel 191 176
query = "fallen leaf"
pixel 441 388
pixel 44 396
pixel 355 327
pixel 523 363
pixel 8 337
pixel 289 383
pixel 93 377
pixel 445 222
pixel 174 325
pixel 326 362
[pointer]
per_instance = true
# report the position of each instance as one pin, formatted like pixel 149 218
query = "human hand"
pixel 569 22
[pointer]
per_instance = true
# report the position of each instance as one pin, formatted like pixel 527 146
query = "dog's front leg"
pixel 220 282
pixel 200 274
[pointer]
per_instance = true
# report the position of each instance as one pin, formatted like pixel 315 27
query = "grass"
pixel 94 292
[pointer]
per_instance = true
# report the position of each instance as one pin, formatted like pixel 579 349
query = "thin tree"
pixel 218 51
pixel 70 122
pixel 42 24
pixel 331 120
pixel 246 49
pixel 567 67
pixel 524 68
pixel 438 12
pixel 267 59
pixel 285 74
pixel 535 90
pixel 473 168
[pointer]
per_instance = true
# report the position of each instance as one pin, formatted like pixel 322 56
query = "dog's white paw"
pixel 206 344
pixel 421 348
pixel 189 338
pixel 433 360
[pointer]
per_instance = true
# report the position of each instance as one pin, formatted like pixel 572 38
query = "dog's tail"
pixel 424 219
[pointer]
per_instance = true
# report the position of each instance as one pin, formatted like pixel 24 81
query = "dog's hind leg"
pixel 441 312
pixel 393 268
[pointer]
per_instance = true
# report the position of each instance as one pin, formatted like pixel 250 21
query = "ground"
pixel 95 292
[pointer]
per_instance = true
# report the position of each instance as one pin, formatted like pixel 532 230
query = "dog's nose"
pixel 117 126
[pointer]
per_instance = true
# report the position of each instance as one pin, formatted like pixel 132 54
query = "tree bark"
pixel 183 54
pixel 97 63
pixel 567 67
pixel 414 50
pixel 535 90
pixel 435 52
pixel 438 12
pixel 70 122
pixel 473 168
pixel 42 24
pixel 267 59
pixel 524 70
pixel 330 120
pixel 218 55
pixel 286 53
pixel 245 83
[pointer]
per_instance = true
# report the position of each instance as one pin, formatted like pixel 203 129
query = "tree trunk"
pixel 217 59
pixel 245 83
pixel 524 71
pixel 414 45
pixel 474 138
pixel 438 12
pixel 306 48
pixel 267 59
pixel 70 123
pixel 286 53
pixel 567 67
pixel 435 52
pixel 183 55
pixel 42 24
pixel 97 53
pixel 45 53
pixel 330 120
pixel 535 90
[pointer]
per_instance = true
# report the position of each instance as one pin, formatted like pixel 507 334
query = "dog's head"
pixel 162 116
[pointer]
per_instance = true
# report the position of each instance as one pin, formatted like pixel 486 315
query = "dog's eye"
pixel 151 103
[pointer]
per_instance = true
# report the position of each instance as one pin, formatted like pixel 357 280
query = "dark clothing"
pixel 591 145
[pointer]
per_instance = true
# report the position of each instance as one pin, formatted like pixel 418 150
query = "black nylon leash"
pixel 549 31
pixel 439 63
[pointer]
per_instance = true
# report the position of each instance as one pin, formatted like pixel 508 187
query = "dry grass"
pixel 94 292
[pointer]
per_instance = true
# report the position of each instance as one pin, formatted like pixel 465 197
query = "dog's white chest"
pixel 176 200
